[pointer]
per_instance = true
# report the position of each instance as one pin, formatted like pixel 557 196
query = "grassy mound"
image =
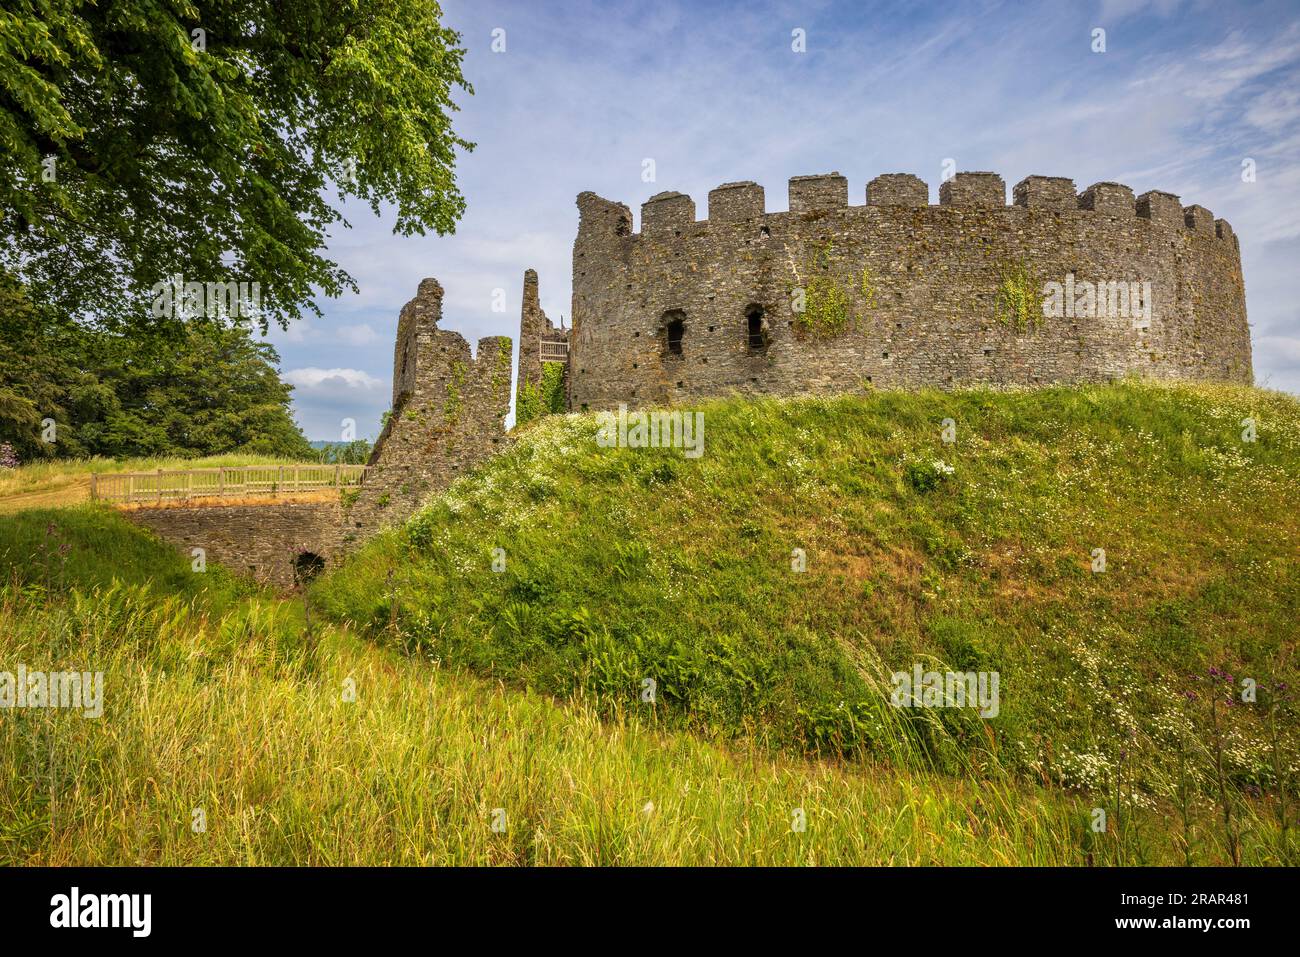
pixel 623 566
pixel 59 550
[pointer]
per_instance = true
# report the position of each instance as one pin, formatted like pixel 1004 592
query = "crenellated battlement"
pixel 898 189
pixel 973 189
pixel 829 295
pixel 809 194
pixel 1162 209
pixel 667 215
pixel 1045 192
pixel 733 202
pixel 1109 199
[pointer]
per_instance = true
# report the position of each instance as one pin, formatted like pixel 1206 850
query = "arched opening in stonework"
pixel 306 567
pixel 754 329
pixel 674 330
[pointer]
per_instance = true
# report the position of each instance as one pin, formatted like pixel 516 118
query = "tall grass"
pixel 521 690
pixel 66 482
pixel 52 473
pixel 77 548
pixel 235 714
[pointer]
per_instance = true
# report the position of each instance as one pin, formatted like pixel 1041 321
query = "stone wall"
pixel 924 284
pixel 262 541
pixel 534 326
pixel 447 416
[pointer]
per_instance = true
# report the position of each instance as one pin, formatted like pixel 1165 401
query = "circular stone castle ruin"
pixel 830 297
pixel 826 298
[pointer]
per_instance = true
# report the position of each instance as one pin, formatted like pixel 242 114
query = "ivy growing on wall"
pixel 501 371
pixel 1018 303
pixel 868 288
pixel 451 408
pixel 827 301
pixel 544 398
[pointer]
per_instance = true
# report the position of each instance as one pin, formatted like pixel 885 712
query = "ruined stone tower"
pixel 447 415
pixel 825 297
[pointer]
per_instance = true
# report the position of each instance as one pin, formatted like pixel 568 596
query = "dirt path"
pixel 67 493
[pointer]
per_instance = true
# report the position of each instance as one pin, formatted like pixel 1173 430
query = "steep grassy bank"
pixel 80 547
pixel 622 565
pixel 329 749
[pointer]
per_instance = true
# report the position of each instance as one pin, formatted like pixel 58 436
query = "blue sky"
pixel 713 93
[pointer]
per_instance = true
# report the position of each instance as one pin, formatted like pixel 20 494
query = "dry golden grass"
pixel 334 751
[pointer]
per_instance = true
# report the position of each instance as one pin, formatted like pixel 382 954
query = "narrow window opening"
pixel 674 330
pixel 754 327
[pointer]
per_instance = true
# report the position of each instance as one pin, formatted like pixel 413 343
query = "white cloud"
pixel 313 378
pixel 299 331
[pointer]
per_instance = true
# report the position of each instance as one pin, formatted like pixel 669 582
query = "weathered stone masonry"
pixel 686 308
pixel 447 415
pixel 534 327
pixel 262 541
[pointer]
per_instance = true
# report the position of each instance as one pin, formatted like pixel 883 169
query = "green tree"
pixel 39 361
pixel 203 389
pixel 140 140
pixel 356 452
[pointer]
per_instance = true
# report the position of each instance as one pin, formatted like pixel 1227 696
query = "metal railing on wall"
pixel 172 485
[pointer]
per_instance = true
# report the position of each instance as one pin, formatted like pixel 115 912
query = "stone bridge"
pixel 275 543
pixel 276 523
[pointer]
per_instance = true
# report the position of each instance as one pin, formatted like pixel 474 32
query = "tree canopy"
pixel 204 389
pixel 142 140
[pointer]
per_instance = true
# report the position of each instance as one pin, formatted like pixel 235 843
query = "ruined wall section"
pixel 534 326
pixel 447 416
pixel 923 281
